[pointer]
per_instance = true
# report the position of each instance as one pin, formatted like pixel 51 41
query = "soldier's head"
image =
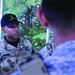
pixel 10 26
pixel 57 14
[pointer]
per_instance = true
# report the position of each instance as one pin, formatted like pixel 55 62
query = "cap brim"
pixel 10 24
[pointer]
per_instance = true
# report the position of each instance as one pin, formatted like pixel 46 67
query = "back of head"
pixel 60 13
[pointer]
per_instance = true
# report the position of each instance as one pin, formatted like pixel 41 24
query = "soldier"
pixel 12 45
pixel 59 16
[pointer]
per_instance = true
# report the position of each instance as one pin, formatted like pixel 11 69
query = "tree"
pixel 19 6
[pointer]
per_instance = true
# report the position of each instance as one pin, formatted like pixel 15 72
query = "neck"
pixel 11 39
pixel 59 39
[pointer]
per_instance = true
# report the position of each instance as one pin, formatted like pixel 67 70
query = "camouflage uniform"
pixel 62 61
pixel 24 48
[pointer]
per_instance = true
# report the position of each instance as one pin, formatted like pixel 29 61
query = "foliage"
pixel 36 35
pixel 18 7
pixel 37 38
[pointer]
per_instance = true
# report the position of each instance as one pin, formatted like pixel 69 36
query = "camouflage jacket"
pixel 62 61
pixel 24 48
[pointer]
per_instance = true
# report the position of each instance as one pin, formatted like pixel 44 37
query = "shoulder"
pixel 2 45
pixel 2 42
pixel 25 41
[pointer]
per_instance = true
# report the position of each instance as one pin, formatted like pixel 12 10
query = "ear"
pixel 3 29
pixel 42 18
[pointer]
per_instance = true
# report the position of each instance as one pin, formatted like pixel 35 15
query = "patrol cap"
pixel 9 20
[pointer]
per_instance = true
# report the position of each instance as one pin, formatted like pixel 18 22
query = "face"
pixel 12 32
